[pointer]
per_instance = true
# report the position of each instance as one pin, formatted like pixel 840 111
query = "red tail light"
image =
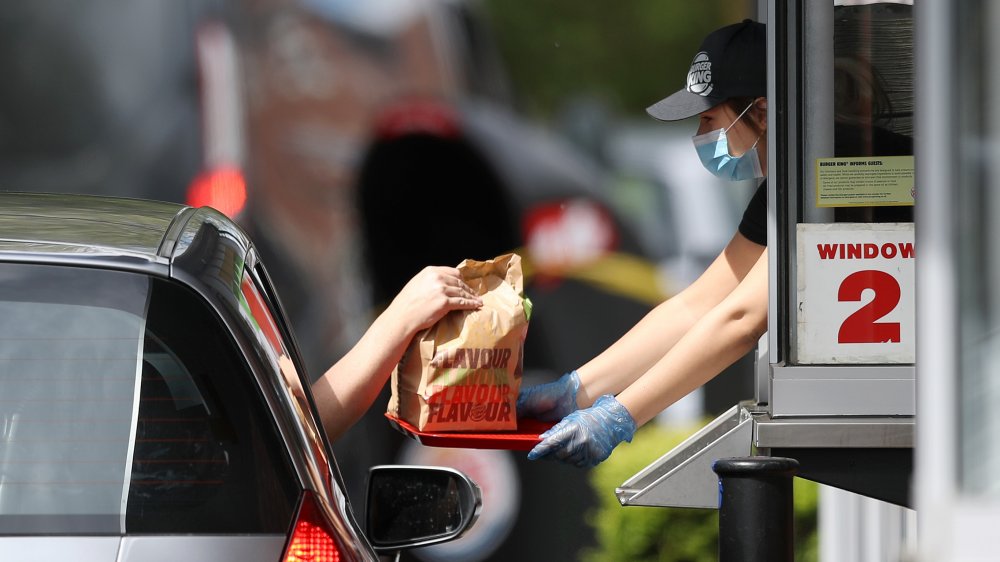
pixel 223 189
pixel 312 539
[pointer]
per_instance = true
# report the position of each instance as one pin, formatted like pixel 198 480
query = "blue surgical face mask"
pixel 713 149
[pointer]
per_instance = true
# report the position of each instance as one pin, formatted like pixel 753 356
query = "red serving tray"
pixel 524 438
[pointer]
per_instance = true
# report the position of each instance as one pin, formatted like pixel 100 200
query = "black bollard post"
pixel 755 509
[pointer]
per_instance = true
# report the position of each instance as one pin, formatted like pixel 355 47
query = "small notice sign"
pixel 870 181
pixel 855 293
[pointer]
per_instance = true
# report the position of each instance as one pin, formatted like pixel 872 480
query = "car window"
pixel 127 408
pixel 208 457
pixel 69 348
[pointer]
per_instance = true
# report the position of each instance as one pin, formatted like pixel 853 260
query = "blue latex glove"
pixel 586 437
pixel 550 401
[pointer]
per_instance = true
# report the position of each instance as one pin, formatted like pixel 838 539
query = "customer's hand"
pixel 550 401
pixel 431 294
pixel 586 437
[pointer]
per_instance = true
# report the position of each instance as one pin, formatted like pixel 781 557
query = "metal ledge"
pixel 829 432
pixel 841 390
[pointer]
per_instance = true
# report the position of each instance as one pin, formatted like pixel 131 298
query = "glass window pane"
pixel 69 354
pixel 872 105
pixel 126 407
pixel 851 97
pixel 208 457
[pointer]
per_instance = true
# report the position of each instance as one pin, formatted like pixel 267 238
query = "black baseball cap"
pixel 732 62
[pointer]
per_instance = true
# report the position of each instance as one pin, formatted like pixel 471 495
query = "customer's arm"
pixel 350 386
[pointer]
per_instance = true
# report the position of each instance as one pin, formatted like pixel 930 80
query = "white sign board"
pixel 855 293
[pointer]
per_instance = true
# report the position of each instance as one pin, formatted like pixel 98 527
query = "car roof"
pixel 54 224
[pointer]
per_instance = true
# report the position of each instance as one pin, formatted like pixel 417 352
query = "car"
pixel 153 404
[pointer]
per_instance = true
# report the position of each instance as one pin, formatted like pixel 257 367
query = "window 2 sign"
pixel 855 293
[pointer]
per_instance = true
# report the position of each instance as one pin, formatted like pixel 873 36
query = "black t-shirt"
pixel 754 223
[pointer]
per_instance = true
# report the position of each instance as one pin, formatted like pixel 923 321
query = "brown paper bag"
pixel 464 373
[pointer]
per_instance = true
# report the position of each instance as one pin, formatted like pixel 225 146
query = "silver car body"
pixel 206 252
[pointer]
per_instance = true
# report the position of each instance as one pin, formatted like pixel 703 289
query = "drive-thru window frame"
pixel 851 425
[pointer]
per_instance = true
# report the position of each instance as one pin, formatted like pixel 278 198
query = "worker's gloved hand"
pixel 586 437
pixel 550 401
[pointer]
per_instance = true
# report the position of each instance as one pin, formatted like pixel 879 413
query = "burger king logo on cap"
pixel 700 76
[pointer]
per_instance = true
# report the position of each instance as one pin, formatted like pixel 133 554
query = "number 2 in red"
pixel 863 326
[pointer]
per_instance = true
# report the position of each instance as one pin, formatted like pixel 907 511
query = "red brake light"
pixel 222 188
pixel 311 540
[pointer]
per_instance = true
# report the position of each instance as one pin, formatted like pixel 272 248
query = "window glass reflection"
pixel 873 92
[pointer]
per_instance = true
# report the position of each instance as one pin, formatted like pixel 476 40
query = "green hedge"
pixel 664 534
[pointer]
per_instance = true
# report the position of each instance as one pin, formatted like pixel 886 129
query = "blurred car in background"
pixel 444 181
pixel 684 215
pixel 153 404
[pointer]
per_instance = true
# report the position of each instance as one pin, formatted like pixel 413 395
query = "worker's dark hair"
pixel 738 104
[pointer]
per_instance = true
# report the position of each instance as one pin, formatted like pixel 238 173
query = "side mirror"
pixel 411 506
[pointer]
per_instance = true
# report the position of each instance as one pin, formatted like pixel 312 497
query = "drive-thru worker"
pixel 690 338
